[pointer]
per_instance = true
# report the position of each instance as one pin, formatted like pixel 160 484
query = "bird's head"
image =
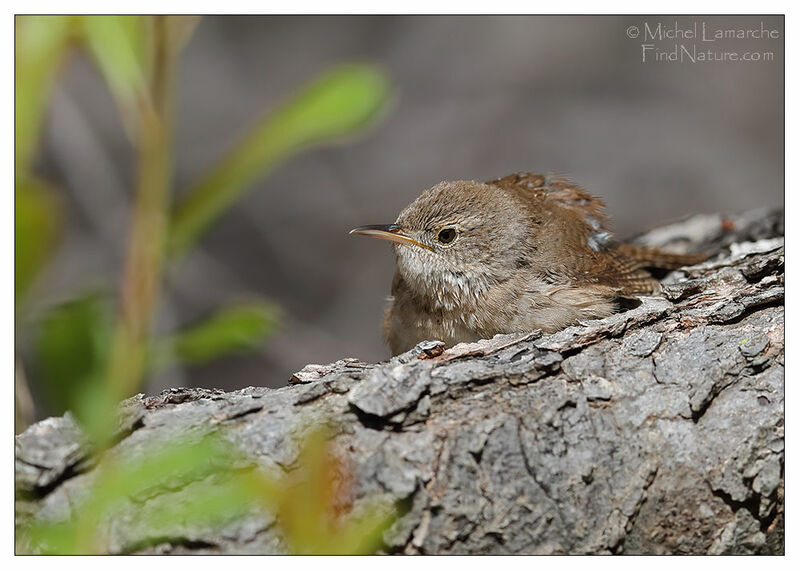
pixel 457 239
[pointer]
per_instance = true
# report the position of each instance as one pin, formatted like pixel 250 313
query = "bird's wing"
pixel 607 263
pixel 624 274
pixel 562 192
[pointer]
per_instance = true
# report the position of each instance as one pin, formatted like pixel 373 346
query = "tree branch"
pixel 656 430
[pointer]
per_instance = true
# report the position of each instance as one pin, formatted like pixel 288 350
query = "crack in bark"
pixel 529 468
pixel 752 503
pixel 631 519
pixel 38 493
pixel 172 541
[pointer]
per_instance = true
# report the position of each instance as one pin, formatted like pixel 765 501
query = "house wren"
pixel 515 254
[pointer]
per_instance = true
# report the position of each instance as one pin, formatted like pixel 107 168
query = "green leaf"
pixel 313 508
pixel 36 222
pixel 364 535
pixel 117 44
pixel 159 486
pixel 341 102
pixel 40 44
pixel 159 473
pixel 237 329
pixel 48 538
pixel 71 349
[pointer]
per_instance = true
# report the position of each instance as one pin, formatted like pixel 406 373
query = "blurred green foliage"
pixel 313 500
pixel 36 221
pixel 117 44
pixel 72 348
pixel 92 350
pixel 205 483
pixel 339 103
pixel 40 44
pixel 236 329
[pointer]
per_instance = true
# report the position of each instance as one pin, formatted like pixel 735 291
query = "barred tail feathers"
pixel 646 257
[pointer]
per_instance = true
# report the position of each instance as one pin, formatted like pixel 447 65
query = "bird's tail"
pixel 646 257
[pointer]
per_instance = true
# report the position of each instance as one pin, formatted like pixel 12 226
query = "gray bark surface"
pixel 657 430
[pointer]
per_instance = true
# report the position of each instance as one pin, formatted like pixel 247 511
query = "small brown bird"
pixel 519 253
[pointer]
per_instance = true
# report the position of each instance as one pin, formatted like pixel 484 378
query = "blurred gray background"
pixel 477 97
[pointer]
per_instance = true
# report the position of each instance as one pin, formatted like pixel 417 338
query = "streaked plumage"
pixel 530 252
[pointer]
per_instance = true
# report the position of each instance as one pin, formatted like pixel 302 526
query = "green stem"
pixel 143 266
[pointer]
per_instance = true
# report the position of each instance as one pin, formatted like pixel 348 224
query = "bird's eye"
pixel 446 236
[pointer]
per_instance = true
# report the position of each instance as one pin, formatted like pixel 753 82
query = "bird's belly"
pixel 550 308
pixel 403 329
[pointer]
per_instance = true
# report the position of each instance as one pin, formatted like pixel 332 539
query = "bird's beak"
pixel 391 232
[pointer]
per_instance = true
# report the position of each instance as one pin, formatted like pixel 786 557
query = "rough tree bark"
pixel 656 430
